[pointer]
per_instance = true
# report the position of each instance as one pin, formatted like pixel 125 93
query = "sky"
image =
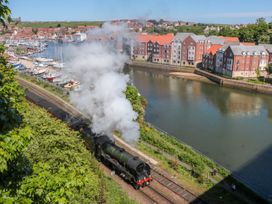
pixel 203 11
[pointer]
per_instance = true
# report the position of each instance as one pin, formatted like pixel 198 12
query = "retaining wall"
pixel 162 67
pixel 231 83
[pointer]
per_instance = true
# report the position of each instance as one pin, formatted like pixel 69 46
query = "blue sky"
pixel 208 11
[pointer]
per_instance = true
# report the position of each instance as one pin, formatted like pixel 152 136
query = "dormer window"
pixel 243 53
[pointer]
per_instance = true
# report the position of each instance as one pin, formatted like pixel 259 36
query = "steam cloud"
pixel 99 68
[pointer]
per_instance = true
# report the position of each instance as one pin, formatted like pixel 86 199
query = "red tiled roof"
pixel 230 39
pixel 214 48
pixel 161 39
pixel 248 43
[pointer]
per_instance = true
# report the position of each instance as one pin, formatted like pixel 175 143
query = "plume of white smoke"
pixel 99 68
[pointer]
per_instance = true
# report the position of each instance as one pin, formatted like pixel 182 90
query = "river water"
pixel 232 127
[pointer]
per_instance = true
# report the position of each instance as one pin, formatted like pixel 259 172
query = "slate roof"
pixel 248 50
pixel 199 37
pixel 268 47
pixel 216 40
pixel 182 36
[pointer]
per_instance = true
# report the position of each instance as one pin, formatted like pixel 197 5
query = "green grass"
pixel 47 24
pixel 62 93
pixel 256 81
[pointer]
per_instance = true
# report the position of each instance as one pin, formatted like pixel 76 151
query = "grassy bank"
pixel 62 93
pixel 56 167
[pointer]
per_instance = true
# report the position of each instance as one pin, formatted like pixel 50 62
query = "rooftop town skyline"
pixel 226 12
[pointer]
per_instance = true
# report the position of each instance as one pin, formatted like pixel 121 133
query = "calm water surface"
pixel 232 127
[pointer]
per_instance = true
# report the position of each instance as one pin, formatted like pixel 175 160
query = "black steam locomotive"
pixel 130 168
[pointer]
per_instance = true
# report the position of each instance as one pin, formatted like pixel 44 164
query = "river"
pixel 232 127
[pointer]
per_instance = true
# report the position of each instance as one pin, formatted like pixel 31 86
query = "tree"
pixel 14 136
pixel 227 31
pixel 269 68
pixel 247 34
pixel 4 12
pixel 35 30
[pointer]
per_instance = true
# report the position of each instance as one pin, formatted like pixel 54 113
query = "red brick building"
pixel 153 48
pixel 268 48
pixel 209 58
pixel 193 48
pixel 243 61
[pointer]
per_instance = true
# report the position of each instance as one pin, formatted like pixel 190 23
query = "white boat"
pixel 42 59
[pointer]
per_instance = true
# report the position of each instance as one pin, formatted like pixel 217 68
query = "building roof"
pixel 268 47
pixel 214 48
pixel 198 38
pixel 161 39
pixel 223 48
pixel 248 43
pixel 230 39
pixel 216 40
pixel 248 50
pixel 182 36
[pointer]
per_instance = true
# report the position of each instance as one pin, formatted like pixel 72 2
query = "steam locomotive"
pixel 130 168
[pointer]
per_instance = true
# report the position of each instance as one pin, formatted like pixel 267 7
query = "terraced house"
pixel 194 46
pixel 177 47
pixel 242 61
pixel 268 48
pixel 153 48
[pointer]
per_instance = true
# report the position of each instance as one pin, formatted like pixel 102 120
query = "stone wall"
pixel 157 66
pixel 231 83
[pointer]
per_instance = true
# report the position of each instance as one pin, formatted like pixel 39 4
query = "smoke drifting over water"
pixel 99 68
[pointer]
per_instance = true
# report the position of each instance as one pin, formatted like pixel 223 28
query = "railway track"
pixel 164 190
pixel 175 187
pixel 156 196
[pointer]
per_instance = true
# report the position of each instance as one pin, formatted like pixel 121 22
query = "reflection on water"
pixel 228 125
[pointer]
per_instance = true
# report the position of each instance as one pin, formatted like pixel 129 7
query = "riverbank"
pixel 232 83
pixel 160 67
pixel 197 74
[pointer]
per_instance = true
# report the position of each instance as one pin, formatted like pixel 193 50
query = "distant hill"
pixel 47 24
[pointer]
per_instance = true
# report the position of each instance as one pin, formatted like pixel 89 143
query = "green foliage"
pixel 196 29
pixel 227 31
pixel 138 102
pixel 14 136
pixel 35 30
pixel 258 73
pixel 20 51
pixel 269 68
pixel 258 32
pixel 4 12
pixel 11 98
pixel 51 24
pixel 62 93
pixel 56 168
pixel 63 170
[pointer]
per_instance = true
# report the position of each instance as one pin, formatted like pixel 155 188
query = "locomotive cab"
pixel 131 168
